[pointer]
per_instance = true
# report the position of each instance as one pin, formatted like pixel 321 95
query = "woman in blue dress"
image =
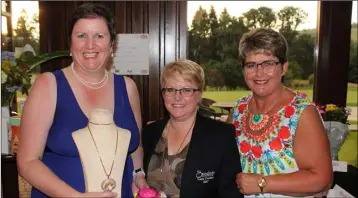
pixel 60 103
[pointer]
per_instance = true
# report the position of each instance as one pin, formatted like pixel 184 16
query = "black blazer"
pixel 212 150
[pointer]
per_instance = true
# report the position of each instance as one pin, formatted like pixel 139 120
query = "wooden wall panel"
pixel 333 49
pixel 165 21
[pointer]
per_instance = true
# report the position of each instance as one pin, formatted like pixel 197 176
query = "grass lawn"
pixel 348 151
pixel 229 96
pixel 353 122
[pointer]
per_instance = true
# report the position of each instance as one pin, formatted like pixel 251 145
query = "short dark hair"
pixel 93 11
pixel 265 41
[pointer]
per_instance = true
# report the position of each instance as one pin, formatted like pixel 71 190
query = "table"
pixel 347 180
pixel 225 105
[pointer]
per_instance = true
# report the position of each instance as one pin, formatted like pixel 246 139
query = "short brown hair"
pixel 265 41
pixel 190 70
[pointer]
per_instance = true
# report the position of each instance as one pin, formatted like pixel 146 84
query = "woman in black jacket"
pixel 186 154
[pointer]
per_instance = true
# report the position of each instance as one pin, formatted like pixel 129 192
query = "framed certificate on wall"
pixel 131 55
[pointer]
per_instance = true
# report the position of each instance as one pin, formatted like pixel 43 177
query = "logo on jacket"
pixel 204 176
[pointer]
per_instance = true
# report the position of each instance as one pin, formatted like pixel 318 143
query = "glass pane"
pixel 214 31
pixel 3 6
pixel 352 100
pixel 4 38
pixel 3 25
pixel 25 26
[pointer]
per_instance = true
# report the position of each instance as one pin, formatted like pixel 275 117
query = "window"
pixel 23 27
pixel 214 31
pixel 352 100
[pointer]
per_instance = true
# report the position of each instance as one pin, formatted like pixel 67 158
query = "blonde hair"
pixel 189 70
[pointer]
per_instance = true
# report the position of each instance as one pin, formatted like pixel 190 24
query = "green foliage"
pixel 214 41
pixel 353 63
pixel 13 77
pixel 299 84
pixel 261 17
pixel 302 52
pixel 294 71
pixel 233 95
pixel 25 31
pixel 311 79
pixel 34 61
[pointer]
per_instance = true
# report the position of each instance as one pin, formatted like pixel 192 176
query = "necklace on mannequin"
pixel 186 135
pixel 90 84
pixel 109 184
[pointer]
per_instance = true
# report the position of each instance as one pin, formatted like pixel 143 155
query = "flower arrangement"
pixel 13 77
pixel 16 70
pixel 332 112
pixel 336 125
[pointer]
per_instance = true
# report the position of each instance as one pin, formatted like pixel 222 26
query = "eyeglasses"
pixel 268 66
pixel 186 92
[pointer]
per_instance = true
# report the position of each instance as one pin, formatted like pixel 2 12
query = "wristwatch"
pixel 139 170
pixel 262 183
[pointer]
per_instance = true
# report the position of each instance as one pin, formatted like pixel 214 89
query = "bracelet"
pixel 139 170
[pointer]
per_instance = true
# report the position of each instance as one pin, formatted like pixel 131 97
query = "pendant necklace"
pixel 109 184
pixel 259 116
pixel 186 135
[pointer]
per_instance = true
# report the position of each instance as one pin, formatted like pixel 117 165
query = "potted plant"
pixel 336 125
pixel 16 68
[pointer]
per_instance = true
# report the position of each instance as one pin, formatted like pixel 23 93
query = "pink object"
pixel 148 193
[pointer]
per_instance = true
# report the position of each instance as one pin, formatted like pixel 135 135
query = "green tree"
pixel 290 18
pixel 262 17
pixel 294 71
pixel 302 52
pixel 213 35
pixel 266 17
pixel 353 63
pixel 198 37
pixel 25 31
pixel 251 18
pixel 232 72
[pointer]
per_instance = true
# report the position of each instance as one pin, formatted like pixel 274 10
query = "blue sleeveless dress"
pixel 61 154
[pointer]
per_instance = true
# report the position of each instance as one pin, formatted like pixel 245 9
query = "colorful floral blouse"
pixel 265 141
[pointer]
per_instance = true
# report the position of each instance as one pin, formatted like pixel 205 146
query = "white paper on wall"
pixel 132 54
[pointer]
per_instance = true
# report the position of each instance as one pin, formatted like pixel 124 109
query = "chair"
pixel 218 112
pixel 205 111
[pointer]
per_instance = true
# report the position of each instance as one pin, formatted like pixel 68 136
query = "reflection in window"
pixel 4 31
pixel 25 24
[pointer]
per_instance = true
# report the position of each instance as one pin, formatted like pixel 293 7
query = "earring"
pixel 70 54
pixel 112 55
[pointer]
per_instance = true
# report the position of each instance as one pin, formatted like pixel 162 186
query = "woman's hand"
pixel 139 182
pixel 247 183
pixel 98 194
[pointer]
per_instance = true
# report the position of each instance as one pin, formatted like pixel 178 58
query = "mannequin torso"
pixel 100 145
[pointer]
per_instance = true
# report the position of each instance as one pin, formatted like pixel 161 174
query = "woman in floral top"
pixel 283 147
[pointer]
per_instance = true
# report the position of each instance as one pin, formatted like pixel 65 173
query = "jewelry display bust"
pixel 103 148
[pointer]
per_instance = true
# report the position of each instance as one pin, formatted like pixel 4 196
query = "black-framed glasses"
pixel 186 92
pixel 268 66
